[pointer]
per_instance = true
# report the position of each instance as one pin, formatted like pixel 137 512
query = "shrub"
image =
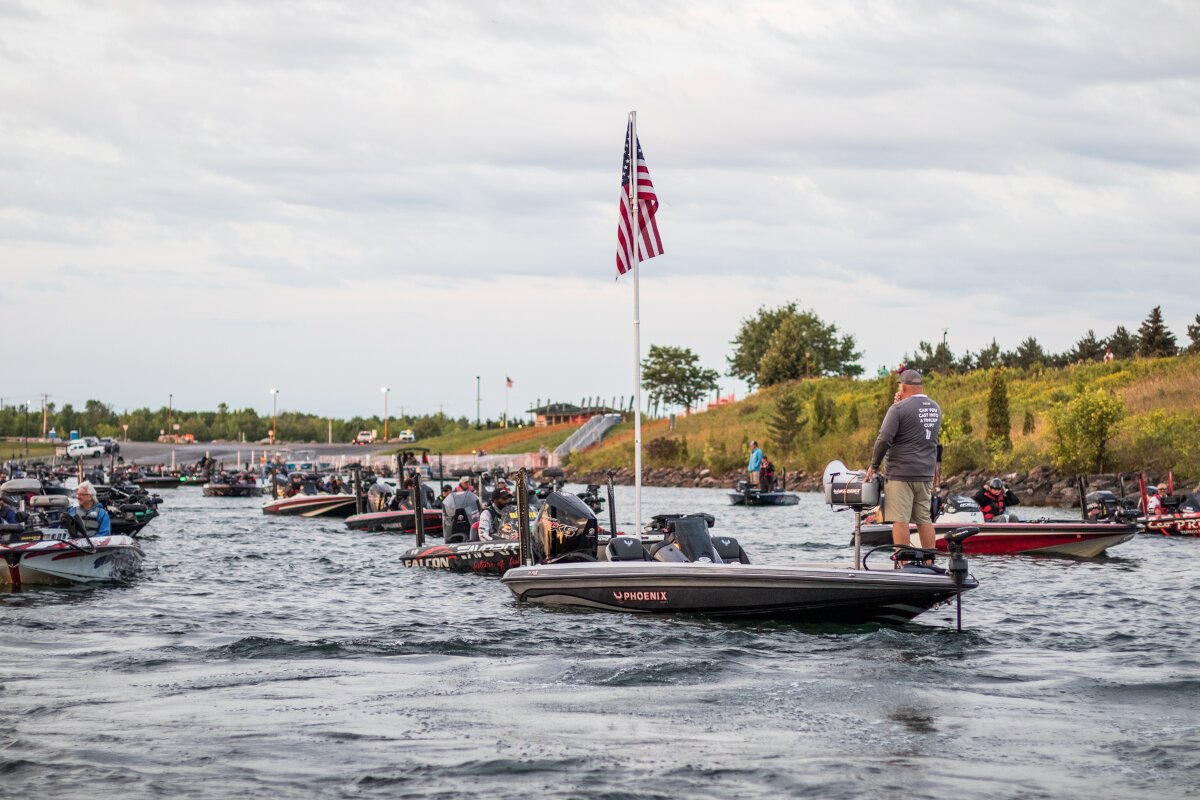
pixel 1082 430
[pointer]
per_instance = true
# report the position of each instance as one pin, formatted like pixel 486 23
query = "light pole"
pixel 274 417
pixel 28 403
pixel 170 405
pixel 385 391
pixel 477 401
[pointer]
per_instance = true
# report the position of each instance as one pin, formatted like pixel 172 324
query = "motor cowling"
pixel 565 529
pixel 459 511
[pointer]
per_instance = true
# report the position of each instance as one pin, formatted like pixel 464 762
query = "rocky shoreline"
pixel 1041 486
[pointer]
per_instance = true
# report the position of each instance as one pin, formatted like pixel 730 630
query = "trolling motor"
pixel 958 564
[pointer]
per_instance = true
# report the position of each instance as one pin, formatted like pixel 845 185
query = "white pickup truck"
pixel 365 437
pixel 88 447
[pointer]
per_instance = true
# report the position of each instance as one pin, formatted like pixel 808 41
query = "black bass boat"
pixel 391 510
pixel 691 571
pixel 746 495
pixel 226 484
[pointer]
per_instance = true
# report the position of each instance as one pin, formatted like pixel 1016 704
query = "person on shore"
pixel 494 516
pixel 994 499
pixel 754 466
pixel 89 511
pixel 908 438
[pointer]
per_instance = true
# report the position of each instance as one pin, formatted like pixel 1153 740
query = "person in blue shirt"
pixel 755 464
pixel 90 512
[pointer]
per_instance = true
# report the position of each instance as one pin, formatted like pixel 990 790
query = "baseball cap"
pixel 911 377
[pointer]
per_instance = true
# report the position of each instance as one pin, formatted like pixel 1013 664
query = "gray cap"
pixel 911 377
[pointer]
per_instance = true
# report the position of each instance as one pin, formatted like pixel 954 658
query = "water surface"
pixel 276 657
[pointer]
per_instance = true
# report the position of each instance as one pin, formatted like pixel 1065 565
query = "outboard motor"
pixel 565 530
pixel 592 498
pixel 1103 506
pixel 459 511
pixel 960 508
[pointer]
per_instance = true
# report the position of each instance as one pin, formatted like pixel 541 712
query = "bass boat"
pixel 691 571
pixel 1049 537
pixel 37 555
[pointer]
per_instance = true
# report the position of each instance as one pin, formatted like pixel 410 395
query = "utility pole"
pixel 45 397
pixel 170 404
pixel 477 423
pixel 945 349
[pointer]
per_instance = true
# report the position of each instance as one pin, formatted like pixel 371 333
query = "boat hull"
pixel 1074 539
pixel 231 490
pixel 396 521
pixel 1182 525
pixel 62 563
pixel 825 594
pixel 313 505
pixel 474 558
pixel 763 499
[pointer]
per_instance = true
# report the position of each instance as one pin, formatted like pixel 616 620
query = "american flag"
pixel 508 381
pixel 649 243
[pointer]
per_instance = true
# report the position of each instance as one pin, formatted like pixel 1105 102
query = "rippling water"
pixel 269 657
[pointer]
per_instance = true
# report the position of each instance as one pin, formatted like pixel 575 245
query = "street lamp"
pixel 28 404
pixel 170 404
pixel 274 417
pixel 385 391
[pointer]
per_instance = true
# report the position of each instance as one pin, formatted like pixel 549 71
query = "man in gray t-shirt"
pixel 909 439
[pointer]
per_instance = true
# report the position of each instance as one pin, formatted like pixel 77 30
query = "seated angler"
pixel 994 499
pixel 493 520
pixel 89 512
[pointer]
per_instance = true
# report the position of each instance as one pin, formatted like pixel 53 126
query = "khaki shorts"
pixel 754 478
pixel 907 501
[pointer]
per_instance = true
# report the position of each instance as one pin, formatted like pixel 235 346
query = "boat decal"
pixel 659 596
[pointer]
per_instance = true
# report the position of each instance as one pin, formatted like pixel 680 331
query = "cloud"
pixel 310 179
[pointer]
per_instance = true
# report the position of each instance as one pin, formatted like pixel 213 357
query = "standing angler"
pixel 909 439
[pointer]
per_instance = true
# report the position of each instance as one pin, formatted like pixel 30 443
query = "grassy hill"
pixel 1160 428
pixel 500 440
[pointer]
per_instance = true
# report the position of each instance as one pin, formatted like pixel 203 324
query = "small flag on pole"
pixel 508 381
pixel 649 243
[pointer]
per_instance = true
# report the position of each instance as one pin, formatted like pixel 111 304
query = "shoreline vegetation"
pixel 1093 419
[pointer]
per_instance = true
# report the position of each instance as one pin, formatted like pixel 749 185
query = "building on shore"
pixel 562 413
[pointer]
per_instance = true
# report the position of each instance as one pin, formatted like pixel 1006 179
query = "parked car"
pixel 407 436
pixel 111 445
pixel 364 437
pixel 80 448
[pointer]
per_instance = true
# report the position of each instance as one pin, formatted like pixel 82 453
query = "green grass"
pixel 16 449
pixel 499 440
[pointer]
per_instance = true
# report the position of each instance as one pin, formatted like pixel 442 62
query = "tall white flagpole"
pixel 637 327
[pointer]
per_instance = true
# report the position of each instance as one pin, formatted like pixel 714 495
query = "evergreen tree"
pixel 1088 349
pixel 824 414
pixel 1028 424
pixel 1193 332
pixel 964 421
pixel 1154 340
pixel 999 426
pixel 989 357
pixel 1029 353
pixel 785 424
pixel 1122 343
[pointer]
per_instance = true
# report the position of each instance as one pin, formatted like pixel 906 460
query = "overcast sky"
pixel 212 199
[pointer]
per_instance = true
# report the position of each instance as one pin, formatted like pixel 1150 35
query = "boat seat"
pixel 626 548
pixel 730 550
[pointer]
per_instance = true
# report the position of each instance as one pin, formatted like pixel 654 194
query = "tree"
pixel 999 426
pixel 1089 348
pixel 964 422
pixel 784 344
pixel 1027 354
pixel 1082 429
pixel 1028 424
pixel 824 414
pixel 674 376
pixel 1193 332
pixel 1154 340
pixel 989 357
pixel 785 424
pixel 1122 343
